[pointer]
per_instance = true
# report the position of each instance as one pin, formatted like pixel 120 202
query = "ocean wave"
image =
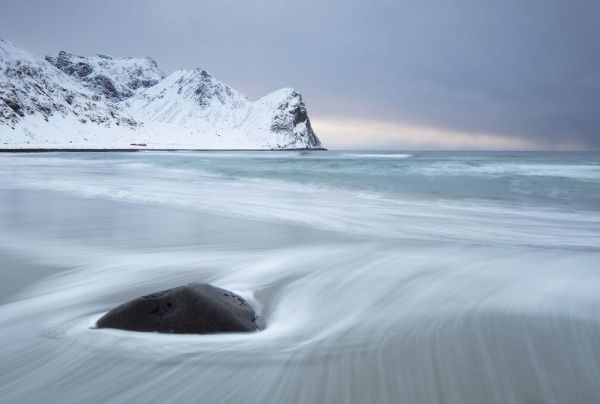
pixel 339 318
pixel 321 206
pixel 377 155
pixel 365 295
pixel 587 172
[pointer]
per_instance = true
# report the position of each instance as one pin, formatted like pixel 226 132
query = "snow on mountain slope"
pixel 197 101
pixel 190 98
pixel 102 102
pixel 29 85
pixel 283 115
pixel 114 78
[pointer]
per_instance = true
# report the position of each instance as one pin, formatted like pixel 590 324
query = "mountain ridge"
pixel 103 102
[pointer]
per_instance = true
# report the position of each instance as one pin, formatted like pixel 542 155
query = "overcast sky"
pixel 505 74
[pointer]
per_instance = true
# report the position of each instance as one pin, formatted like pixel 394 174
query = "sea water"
pixel 400 277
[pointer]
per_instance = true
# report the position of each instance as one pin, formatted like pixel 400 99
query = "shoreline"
pixel 34 221
pixel 42 150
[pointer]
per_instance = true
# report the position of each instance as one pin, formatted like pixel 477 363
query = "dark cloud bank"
pixel 520 68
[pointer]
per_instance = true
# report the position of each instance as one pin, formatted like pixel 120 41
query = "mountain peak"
pixel 203 88
pixel 111 77
pixel 33 92
pixel 289 115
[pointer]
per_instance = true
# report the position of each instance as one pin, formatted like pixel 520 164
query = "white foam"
pixel 312 205
pixel 378 155
pixel 587 172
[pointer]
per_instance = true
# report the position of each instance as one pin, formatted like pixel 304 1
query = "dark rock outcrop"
pixel 291 114
pixel 30 86
pixel 197 308
pixel 113 78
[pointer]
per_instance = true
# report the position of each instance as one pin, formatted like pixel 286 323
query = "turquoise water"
pixel 553 179
pixel 417 277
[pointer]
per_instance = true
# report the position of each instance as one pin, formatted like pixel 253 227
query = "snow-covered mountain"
pixel 101 102
pixel 114 78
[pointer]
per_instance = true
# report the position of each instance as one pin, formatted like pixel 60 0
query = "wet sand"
pixel 35 227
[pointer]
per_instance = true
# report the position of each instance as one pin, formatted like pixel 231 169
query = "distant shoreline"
pixel 34 150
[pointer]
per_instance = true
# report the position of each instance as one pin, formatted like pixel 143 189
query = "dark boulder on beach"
pixel 197 308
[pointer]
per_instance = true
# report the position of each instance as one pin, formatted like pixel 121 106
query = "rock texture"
pixel 71 101
pixel 32 89
pixel 197 308
pixel 113 78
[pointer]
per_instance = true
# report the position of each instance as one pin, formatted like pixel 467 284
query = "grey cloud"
pixel 522 68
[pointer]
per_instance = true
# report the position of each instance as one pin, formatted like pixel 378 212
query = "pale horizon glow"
pixel 342 133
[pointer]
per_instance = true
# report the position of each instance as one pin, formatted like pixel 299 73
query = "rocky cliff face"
pixel 114 78
pixel 189 98
pixel 71 101
pixel 290 116
pixel 32 88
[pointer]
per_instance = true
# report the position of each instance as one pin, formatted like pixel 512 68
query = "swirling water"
pixel 400 277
